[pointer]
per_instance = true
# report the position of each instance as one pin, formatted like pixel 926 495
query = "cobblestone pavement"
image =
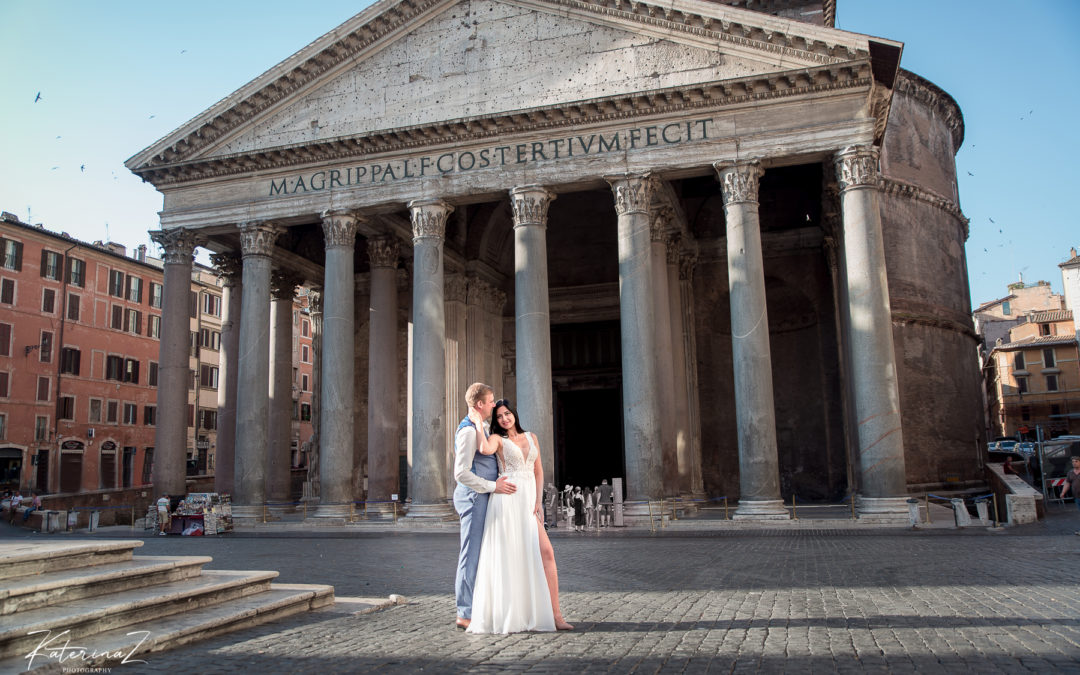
pixel 740 600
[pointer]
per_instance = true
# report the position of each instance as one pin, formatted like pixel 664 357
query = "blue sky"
pixel 116 76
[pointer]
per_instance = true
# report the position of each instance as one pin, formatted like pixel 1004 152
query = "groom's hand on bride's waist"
pixel 504 486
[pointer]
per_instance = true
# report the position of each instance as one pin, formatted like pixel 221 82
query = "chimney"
pixel 118 249
pixel 1072 252
pixel 140 253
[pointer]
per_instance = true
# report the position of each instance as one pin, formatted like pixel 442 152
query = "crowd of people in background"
pixel 579 507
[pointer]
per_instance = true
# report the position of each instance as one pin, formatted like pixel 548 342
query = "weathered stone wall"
pixel 924 235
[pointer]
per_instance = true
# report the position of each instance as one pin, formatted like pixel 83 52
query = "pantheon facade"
pixel 713 248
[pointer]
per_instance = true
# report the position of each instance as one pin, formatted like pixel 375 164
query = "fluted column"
pixel 689 336
pixel 658 227
pixel 532 322
pixel 253 375
pixel 336 400
pixel 494 302
pixel 476 361
pixel 883 481
pixel 457 378
pixel 428 390
pixel 759 467
pixel 229 269
pixel 170 444
pixel 641 410
pixel 279 421
pixel 383 430
pixel 680 400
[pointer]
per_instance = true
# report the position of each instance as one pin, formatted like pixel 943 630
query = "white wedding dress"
pixel 510 594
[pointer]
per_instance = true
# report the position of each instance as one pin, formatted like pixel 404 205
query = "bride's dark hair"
pixel 505 403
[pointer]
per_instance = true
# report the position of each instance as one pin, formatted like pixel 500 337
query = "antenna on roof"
pixel 107 232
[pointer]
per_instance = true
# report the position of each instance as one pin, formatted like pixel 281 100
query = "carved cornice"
pixel 857 167
pixel 229 268
pixel 257 239
pixel 463 131
pixel 739 182
pixel 530 204
pixel 929 94
pixel 633 193
pixel 907 318
pixel 429 218
pixel 383 251
pixel 339 228
pixel 178 245
pixel 899 188
pixel 880 103
pixel 308 68
pixel 283 284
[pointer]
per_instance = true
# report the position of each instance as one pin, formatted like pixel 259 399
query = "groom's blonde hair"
pixel 477 391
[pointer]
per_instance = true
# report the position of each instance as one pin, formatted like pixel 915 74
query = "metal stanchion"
pixel 394 504
pixel 352 512
pixel 928 521
pixel 305 509
pixel 996 521
pixel 365 510
pixel 132 518
pixel 725 509
pixel 264 512
pixel 794 512
pixel 652 525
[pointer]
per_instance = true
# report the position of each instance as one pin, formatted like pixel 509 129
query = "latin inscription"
pixel 464 161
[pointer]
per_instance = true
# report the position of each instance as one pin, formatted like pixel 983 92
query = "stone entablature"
pixel 935 98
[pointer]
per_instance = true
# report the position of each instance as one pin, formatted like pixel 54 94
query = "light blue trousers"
pixel 472 508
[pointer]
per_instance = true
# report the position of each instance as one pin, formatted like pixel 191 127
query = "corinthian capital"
pixel 178 245
pixel 228 266
pixel 258 238
pixel 633 192
pixel 687 263
pixel 429 218
pixel 659 220
pixel 739 181
pixel 674 240
pixel 283 284
pixel 857 167
pixel 339 228
pixel 454 288
pixel 530 204
pixel 383 252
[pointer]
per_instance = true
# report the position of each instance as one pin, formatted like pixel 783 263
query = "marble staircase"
pixel 81 604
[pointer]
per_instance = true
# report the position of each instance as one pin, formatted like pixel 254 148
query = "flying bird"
pixel 54 168
pixel 38 97
pixel 82 167
pixel 970 174
pixel 992 221
pixel 152 117
pixel 183 51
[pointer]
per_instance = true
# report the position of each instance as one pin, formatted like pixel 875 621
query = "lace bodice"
pixel 512 461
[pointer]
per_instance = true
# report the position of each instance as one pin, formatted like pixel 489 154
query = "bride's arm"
pixel 485 446
pixel 538 472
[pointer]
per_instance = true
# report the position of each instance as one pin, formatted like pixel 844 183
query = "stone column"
pixel 336 399
pixel 494 302
pixel 680 400
pixel 457 378
pixel 313 491
pixel 428 390
pixel 883 480
pixel 279 421
pixel 170 436
pixel 658 226
pixel 759 467
pixel 253 375
pixel 532 322
pixel 641 410
pixel 383 430
pixel 693 409
pixel 229 270
pixel 476 361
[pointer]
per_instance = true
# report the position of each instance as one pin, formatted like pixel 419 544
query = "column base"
pixel 882 509
pixel 431 512
pixel 333 511
pixel 380 510
pixel 761 509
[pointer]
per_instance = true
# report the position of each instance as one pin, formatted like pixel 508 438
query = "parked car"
pixel 1025 448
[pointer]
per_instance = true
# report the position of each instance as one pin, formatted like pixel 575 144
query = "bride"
pixel 517 584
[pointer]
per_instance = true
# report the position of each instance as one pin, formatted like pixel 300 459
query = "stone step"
pixel 23 558
pixel 89 616
pixel 21 594
pixel 137 642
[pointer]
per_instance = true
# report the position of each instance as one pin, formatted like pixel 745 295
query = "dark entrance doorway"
pixel 586 365
pixel 589 445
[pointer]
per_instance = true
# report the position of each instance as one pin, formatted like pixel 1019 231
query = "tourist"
pixel 1072 484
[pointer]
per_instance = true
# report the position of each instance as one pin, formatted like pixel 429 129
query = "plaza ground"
pixel 728 599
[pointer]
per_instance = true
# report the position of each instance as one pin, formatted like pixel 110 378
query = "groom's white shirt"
pixel 464 452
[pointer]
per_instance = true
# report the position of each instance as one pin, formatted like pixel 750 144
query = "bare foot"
pixel 560 624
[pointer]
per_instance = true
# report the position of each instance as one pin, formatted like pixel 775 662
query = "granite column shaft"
pixel 229 269
pixel 383 429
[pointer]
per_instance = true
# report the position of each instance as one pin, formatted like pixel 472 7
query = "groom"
pixel 477 476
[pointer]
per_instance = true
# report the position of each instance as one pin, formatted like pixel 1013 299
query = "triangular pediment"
pixel 404 64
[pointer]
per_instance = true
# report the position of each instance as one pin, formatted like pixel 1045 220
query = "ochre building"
pixel 714 251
